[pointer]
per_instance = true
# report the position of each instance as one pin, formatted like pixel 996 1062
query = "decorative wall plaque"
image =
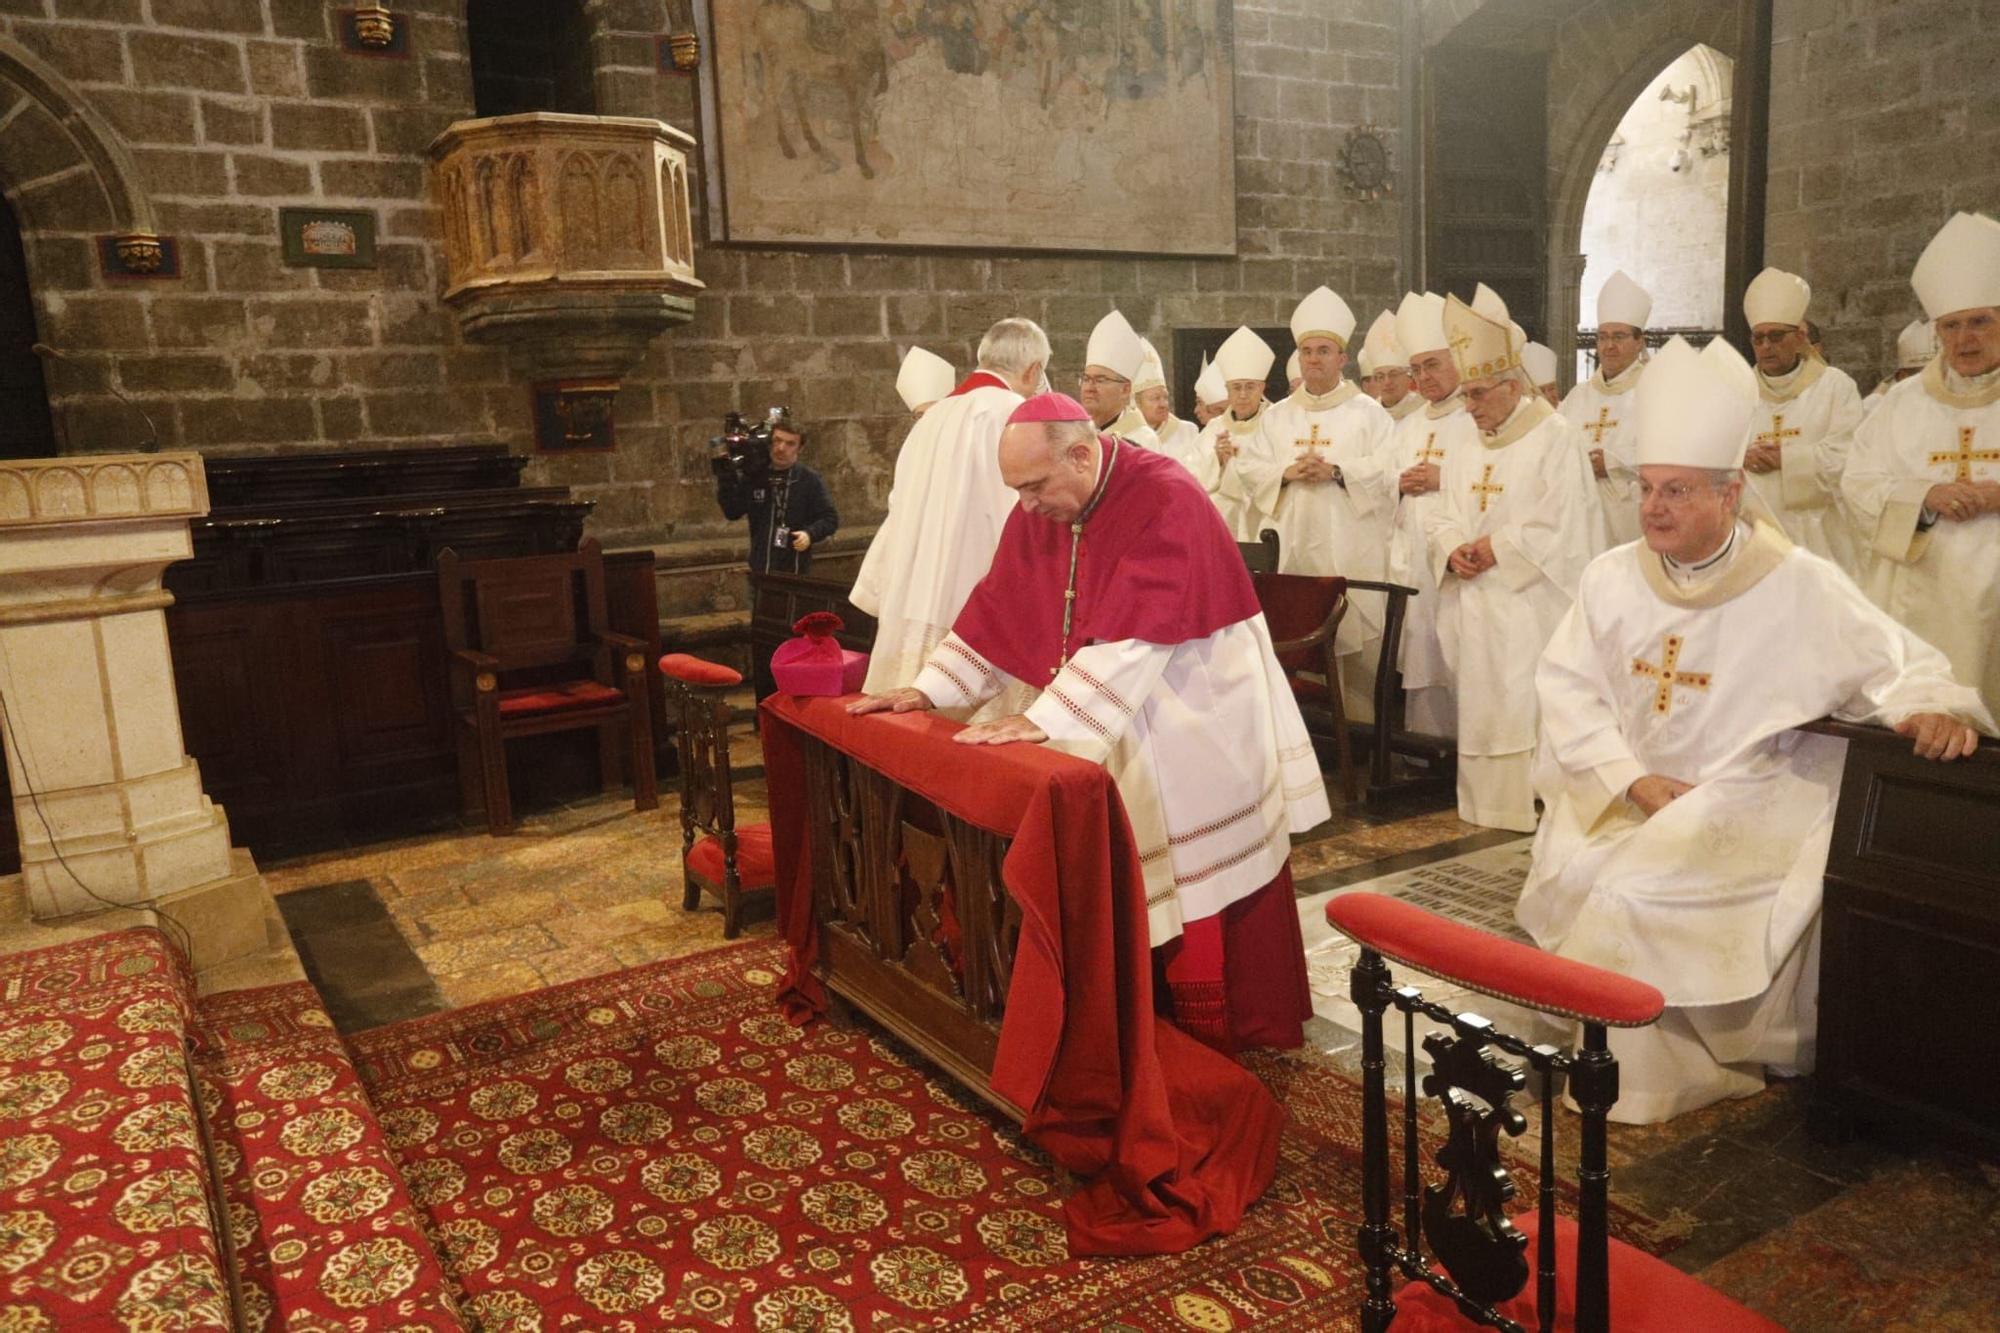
pixel 371 30
pixel 574 416
pixel 1364 163
pixel 139 254
pixel 327 237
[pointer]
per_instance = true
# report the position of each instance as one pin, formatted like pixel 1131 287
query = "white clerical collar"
pixel 1444 407
pixel 1958 383
pixel 1341 391
pixel 1515 415
pixel 1786 380
pixel 1624 379
pixel 1712 566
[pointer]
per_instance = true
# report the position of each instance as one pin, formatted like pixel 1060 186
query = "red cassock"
pixel 1158 565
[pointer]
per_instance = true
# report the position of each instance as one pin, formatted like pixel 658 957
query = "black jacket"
pixel 795 500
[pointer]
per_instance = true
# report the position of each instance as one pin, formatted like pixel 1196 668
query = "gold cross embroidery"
pixel 1599 426
pixel 1778 434
pixel 1966 456
pixel 1458 342
pixel 1668 677
pixel 1427 454
pixel 1485 489
pixel 1312 444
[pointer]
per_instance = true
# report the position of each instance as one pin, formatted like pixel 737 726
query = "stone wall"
pixel 1885 119
pixel 227 109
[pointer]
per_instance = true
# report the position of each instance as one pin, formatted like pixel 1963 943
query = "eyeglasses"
pixel 1674 493
pixel 1770 337
pixel 1620 337
pixel 1101 381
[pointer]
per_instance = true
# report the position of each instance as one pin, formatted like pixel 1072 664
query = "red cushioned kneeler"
pixel 556 698
pixel 755 868
pixel 698 671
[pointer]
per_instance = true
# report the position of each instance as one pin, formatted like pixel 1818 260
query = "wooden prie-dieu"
pixel 916 928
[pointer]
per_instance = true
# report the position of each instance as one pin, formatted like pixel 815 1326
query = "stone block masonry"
pixel 230 109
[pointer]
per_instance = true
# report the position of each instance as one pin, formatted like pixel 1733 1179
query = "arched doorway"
pixel 27 429
pixel 1658 205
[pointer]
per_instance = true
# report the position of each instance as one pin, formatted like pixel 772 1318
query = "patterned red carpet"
pixel 659 1149
pixel 105 1219
pixel 324 1231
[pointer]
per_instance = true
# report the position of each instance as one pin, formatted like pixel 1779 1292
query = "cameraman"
pixel 758 473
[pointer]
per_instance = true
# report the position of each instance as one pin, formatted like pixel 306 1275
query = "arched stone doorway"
pixel 1490 64
pixel 66 179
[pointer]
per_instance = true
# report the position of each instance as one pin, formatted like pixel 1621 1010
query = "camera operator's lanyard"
pixel 1076 550
pixel 781 486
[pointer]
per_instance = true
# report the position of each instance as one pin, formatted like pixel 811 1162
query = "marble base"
pixel 121 843
pixel 231 926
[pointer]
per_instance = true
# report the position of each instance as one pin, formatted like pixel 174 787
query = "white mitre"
pixel 1322 315
pixel 1695 407
pixel 1116 347
pixel 1293 371
pixel 1623 301
pixel 1540 363
pixel 1152 375
pixel 1916 345
pixel 1380 350
pixel 1210 389
pixel 1481 347
pixel 1776 297
pixel 1960 268
pixel 1244 356
pixel 1420 323
pixel 924 378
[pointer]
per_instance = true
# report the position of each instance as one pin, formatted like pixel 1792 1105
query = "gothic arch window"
pixel 530 55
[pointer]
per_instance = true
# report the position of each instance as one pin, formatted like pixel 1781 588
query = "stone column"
pixel 108 803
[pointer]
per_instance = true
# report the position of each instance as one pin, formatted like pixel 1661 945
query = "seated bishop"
pixel 1118 591
pixel 946 506
pixel 1687 824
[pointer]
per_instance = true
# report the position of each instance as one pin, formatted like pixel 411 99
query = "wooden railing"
pixel 916 928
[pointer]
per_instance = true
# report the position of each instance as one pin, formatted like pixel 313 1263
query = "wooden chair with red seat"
pixel 731 863
pixel 1303 614
pixel 1585 1280
pixel 531 654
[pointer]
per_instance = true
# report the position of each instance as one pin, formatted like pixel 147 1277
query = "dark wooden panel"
pixel 1486 128
pixel 236 483
pixel 777 601
pixel 1910 955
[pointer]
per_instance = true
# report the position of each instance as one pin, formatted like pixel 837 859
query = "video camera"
pixel 740 450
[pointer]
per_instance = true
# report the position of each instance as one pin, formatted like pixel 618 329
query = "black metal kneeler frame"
pixel 1482 1253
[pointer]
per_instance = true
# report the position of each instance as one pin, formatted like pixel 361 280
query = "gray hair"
pixel 1718 477
pixel 1062 434
pixel 1012 345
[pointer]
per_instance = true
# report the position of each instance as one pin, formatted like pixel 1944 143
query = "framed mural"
pixel 984 124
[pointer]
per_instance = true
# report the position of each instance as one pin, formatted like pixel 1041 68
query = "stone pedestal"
pixel 108 803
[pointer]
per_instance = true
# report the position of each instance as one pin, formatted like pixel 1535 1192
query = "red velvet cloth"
pixel 1157 564
pixel 698 671
pixel 753 857
pixel 1491 965
pixel 1647 1295
pixel 556 698
pixel 1173 1140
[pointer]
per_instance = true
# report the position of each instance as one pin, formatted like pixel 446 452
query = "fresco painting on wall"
pixel 996 124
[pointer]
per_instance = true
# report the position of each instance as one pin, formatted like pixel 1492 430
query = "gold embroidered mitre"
pixel 1481 348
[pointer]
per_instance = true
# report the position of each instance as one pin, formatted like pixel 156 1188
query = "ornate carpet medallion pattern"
pixel 105 1215
pixel 325 1234
pixel 660 1150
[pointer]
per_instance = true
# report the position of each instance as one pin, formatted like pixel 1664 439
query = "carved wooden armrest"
pixel 1324 634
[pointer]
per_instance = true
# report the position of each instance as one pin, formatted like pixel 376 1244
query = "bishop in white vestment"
pixel 1802 426
pixel 1601 406
pixel 1156 406
pixel 1687 822
pixel 1508 538
pixel 1242 365
pixel 1319 473
pixel 922 379
pixel 946 507
pixel 1417 450
pixel 1923 477
pixel 1112 363
pixel 1385 369
pixel 1916 347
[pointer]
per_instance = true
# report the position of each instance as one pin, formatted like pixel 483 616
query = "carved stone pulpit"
pixel 108 802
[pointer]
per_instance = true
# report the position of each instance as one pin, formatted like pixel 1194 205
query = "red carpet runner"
pixel 661 1149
